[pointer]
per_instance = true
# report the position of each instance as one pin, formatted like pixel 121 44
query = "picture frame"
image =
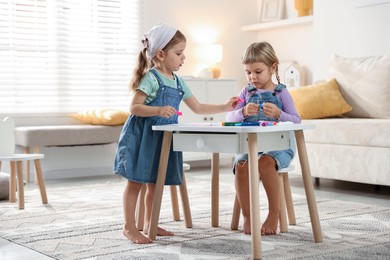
pixel 270 10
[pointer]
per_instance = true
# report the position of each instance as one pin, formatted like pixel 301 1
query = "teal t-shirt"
pixel 149 85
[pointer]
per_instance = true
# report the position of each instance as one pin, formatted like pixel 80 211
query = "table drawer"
pixel 212 143
pixel 271 141
pixel 229 143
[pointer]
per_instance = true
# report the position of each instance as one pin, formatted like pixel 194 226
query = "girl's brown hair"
pixel 144 63
pixel 261 52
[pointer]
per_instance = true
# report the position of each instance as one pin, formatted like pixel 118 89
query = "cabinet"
pixel 210 91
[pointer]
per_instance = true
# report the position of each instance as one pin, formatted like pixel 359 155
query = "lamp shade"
pixel 210 53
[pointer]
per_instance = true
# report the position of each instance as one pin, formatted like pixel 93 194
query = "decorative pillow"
pixel 319 100
pixel 364 83
pixel 102 116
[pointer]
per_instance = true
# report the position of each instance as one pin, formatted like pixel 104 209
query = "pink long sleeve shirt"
pixel 288 112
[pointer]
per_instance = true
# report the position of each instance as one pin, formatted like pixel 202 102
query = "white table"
pixel 235 139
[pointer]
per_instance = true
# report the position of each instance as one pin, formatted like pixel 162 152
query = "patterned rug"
pixel 85 222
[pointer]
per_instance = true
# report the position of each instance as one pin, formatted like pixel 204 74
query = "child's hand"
pixel 232 103
pixel 166 111
pixel 271 110
pixel 251 109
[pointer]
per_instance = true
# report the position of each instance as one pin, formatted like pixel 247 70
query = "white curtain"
pixel 63 56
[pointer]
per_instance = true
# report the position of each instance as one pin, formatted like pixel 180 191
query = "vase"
pixel 303 7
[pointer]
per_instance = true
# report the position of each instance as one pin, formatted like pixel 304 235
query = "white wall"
pixel 228 17
pixel 343 28
pixel 292 43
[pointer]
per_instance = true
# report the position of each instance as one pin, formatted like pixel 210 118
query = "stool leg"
pixel 12 182
pixel 282 214
pixel 40 179
pixel 175 203
pixel 35 149
pixel 185 202
pixel 140 209
pixel 19 171
pixel 289 201
pixel 27 173
pixel 236 214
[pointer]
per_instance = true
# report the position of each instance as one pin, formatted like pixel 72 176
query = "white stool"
pixel 285 202
pixel 7 139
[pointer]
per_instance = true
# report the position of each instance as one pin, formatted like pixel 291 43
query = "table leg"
pixel 309 190
pixel 158 191
pixel 254 195
pixel 215 190
pixel 19 172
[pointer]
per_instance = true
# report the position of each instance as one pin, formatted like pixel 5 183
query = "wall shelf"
pixel 305 20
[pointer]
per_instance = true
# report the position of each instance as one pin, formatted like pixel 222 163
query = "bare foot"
pixel 269 226
pixel 160 232
pixel 135 236
pixel 247 226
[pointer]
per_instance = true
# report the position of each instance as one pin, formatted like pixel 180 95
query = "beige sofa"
pixel 355 146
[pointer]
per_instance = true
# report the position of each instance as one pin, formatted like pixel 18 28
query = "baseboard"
pixel 75 173
pixel 57 174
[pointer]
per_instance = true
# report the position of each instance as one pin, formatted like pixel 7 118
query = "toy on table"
pixel 259 123
pixel 240 123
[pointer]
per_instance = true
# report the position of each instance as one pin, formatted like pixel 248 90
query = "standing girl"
pixel 263 101
pixel 158 92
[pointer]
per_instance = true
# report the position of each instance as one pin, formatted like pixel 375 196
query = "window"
pixel 63 56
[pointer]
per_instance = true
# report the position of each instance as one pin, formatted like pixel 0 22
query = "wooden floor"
pixel 330 189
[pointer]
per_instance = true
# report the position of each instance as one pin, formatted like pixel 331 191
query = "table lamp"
pixel 211 55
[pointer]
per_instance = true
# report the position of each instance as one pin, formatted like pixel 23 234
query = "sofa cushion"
pixel 364 83
pixel 319 100
pixel 64 135
pixel 349 131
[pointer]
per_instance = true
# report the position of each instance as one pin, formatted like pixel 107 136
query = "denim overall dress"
pixel 282 157
pixel 138 153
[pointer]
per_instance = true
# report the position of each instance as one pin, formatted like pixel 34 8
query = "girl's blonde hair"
pixel 144 63
pixel 261 52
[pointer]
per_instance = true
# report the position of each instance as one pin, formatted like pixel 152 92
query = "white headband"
pixel 157 38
